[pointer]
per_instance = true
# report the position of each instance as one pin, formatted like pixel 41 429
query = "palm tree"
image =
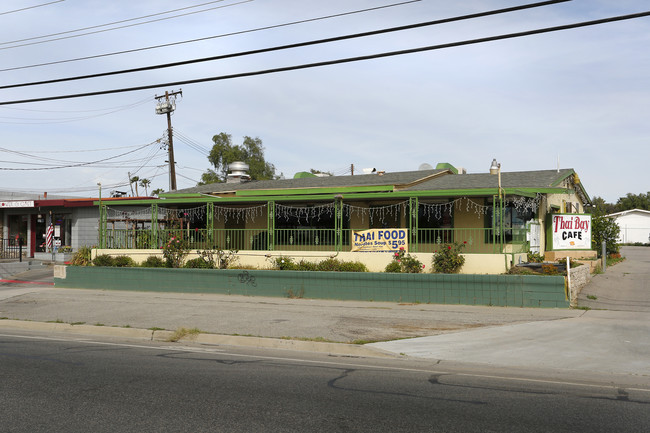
pixel 157 191
pixel 134 180
pixel 144 183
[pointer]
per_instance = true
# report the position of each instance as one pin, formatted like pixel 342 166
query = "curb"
pixel 341 349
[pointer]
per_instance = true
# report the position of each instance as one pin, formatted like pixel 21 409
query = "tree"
pixel 604 229
pixel 224 152
pixel 633 201
pixel 134 180
pixel 157 191
pixel 600 207
pixel 144 183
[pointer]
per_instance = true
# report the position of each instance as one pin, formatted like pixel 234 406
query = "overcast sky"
pixel 580 96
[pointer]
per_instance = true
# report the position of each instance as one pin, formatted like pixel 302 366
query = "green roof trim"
pixel 312 191
pixel 303 174
pixel 446 166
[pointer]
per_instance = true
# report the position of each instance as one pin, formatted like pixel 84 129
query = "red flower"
pixel 464 242
pixel 449 247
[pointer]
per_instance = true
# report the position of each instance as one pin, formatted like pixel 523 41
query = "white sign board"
pixel 571 232
pixel 17 203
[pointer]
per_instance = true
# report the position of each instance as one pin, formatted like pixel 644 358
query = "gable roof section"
pixel 517 182
pixel 629 212
pixel 314 185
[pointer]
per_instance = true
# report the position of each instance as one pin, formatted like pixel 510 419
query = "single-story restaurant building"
pixel 497 217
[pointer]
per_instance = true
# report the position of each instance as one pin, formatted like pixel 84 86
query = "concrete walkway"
pixel 612 341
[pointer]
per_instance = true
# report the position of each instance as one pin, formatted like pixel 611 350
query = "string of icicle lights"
pixel 315 213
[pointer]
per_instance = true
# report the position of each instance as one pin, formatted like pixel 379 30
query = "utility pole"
pixel 352 169
pixel 167 107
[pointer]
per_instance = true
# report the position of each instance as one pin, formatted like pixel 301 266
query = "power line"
pixel 118 22
pixel 78 164
pixel 30 7
pixel 28 121
pixel 337 61
pixel 290 46
pixel 241 32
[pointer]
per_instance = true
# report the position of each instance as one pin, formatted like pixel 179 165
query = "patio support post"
pixel 102 226
pixel 413 223
pixel 209 224
pixel 338 223
pixel 154 227
pixel 270 225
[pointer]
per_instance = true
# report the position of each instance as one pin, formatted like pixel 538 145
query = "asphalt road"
pixel 67 384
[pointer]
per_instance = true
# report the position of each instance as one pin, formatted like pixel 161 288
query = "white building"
pixel 634 224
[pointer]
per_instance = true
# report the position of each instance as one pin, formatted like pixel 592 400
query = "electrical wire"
pixel 32 121
pixel 337 61
pixel 118 22
pixel 191 143
pixel 30 7
pixel 223 35
pixel 76 164
pixel 288 46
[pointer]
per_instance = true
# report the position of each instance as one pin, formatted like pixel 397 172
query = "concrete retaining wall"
pixel 497 290
pixel 376 262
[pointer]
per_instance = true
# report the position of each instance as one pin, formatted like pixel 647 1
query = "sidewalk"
pixel 605 341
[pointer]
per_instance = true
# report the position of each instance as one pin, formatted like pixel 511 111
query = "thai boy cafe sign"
pixel 571 232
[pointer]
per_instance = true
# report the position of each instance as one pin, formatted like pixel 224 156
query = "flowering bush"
pixel 403 262
pixel 449 260
pixel 174 252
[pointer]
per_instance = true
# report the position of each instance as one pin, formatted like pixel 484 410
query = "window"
pixel 514 223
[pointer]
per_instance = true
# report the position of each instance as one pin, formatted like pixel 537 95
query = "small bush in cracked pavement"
pixel 449 259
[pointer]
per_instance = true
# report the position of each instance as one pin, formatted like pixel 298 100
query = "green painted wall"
pixel 496 290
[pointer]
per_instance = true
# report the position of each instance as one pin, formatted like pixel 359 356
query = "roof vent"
pixel 238 172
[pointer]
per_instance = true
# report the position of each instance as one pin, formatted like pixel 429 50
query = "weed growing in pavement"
pixel 181 333
pixel 293 295
pixel 592 297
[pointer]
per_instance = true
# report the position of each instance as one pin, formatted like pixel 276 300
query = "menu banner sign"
pixel 376 240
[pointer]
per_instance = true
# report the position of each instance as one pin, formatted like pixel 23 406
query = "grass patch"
pixel 181 333
pixel 99 324
pixel 155 328
pixel 592 297
pixel 55 321
pixel 78 323
pixel 582 308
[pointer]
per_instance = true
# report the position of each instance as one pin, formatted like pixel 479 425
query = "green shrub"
pixel 403 262
pixel 198 263
pixel 329 265
pixel 305 265
pixel 353 267
pixel 394 267
pixel 535 257
pixel 449 260
pixel 550 270
pixel 154 262
pixel 82 257
pixel 123 262
pixel 103 260
pixel 175 251
pixel 282 263
pixel 335 265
